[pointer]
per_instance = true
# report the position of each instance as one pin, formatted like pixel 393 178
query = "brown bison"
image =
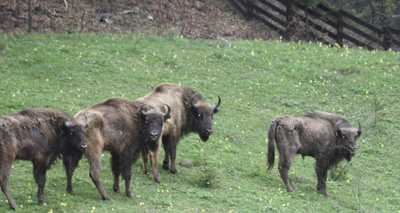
pixel 189 113
pixel 41 136
pixel 123 128
pixel 327 137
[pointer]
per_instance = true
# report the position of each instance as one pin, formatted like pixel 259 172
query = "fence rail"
pixel 320 22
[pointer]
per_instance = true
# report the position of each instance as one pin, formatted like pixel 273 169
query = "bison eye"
pixel 344 136
pixel 199 115
pixel 70 133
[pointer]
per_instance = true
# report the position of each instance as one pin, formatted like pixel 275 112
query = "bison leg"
pixel 5 171
pixel 40 178
pixel 95 165
pixel 170 144
pixel 286 155
pixel 126 174
pixel 116 169
pixel 284 166
pixel 173 169
pixel 166 146
pixel 322 171
pixel 145 158
pixel 70 166
pixel 153 161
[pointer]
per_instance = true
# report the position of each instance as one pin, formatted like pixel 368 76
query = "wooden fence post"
pixel 30 17
pixel 339 28
pixel 248 10
pixel 289 19
pixel 386 37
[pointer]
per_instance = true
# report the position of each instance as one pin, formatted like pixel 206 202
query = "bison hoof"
pixel 174 171
pixel 157 180
pixel 165 166
pixel 130 194
pixel 116 189
pixel 13 207
pixel 108 198
pixel 146 172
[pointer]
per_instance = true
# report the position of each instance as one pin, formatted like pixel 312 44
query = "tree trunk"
pixel 30 16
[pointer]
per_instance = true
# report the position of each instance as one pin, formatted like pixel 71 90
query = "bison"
pixel 329 138
pixel 189 113
pixel 40 135
pixel 124 128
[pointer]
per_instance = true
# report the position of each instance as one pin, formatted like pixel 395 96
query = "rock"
pixel 187 163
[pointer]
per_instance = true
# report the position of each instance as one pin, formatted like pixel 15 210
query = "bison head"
pixel 347 137
pixel 75 133
pixel 202 114
pixel 152 122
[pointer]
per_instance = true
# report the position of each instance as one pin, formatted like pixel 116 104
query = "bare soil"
pixel 198 19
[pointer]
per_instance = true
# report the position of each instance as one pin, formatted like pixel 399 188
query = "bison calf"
pixel 124 128
pixel 41 136
pixel 327 137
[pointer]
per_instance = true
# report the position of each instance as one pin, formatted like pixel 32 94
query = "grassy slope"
pixel 257 81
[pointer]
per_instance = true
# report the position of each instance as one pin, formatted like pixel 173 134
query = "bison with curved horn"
pixel 189 113
pixel 123 128
pixel 329 138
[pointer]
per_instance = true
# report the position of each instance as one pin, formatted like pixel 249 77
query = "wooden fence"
pixel 291 19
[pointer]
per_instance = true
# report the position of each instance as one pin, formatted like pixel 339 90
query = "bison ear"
pixel 338 133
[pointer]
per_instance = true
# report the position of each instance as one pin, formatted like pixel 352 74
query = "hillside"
pixel 256 80
pixel 205 19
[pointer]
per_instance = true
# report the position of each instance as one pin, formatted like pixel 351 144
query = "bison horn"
pixel 216 106
pixel 86 121
pixel 359 126
pixel 193 104
pixel 141 110
pixel 166 115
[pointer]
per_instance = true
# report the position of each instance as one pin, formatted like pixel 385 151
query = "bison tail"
pixel 271 145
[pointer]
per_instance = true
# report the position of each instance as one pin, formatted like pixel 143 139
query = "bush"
pixel 339 171
pixel 207 177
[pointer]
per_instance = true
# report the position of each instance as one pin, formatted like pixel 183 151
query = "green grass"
pixel 257 81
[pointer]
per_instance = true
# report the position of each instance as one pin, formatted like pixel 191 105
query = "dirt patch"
pixel 198 19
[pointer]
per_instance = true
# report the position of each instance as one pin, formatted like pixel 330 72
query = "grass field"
pixel 257 81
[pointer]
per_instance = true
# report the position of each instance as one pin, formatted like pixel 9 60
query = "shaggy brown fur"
pixel 329 138
pixel 123 128
pixel 39 135
pixel 189 113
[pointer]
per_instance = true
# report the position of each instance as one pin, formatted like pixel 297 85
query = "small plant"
pixel 340 170
pixel 207 177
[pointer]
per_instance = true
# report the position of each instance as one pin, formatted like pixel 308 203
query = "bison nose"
pixel 83 147
pixel 209 131
pixel 352 148
pixel 154 135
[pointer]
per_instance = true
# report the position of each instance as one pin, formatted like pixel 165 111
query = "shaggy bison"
pixel 189 113
pixel 41 136
pixel 124 128
pixel 327 137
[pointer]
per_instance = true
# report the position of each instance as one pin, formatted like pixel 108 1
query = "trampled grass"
pixel 257 81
